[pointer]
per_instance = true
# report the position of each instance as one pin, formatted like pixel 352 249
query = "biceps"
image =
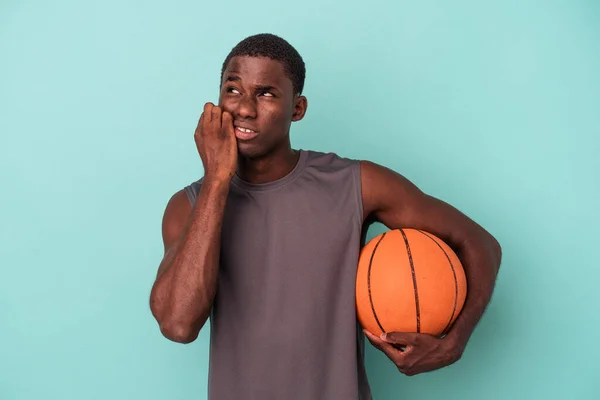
pixel 398 203
pixel 174 219
pixel 440 218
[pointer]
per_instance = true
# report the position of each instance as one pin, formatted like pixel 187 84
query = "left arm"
pixel 394 201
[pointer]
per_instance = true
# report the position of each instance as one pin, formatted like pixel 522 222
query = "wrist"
pixel 217 181
pixel 456 339
pixel 215 187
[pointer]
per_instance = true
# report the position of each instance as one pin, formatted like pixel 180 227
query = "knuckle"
pixel 403 370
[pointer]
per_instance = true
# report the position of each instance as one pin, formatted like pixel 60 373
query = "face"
pixel 261 99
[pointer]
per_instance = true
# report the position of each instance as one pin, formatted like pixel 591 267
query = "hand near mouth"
pixel 216 143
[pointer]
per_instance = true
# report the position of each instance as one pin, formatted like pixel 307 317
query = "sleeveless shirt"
pixel 283 323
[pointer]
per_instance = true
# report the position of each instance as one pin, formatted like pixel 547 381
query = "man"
pixel 266 244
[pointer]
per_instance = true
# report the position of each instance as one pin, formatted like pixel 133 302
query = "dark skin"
pixel 260 96
pixel 256 94
pixel 394 201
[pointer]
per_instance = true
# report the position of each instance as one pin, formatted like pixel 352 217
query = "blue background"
pixel 491 106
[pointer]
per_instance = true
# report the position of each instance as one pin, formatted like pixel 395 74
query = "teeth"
pixel 245 130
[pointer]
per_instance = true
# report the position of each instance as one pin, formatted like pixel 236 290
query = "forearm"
pixel 481 259
pixel 184 290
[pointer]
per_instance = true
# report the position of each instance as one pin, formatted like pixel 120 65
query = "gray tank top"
pixel 283 323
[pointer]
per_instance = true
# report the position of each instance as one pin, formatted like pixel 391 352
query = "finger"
pixel 370 335
pixel 208 107
pixel 200 122
pixel 215 115
pixel 227 124
pixel 401 338
pixel 375 341
pixel 401 359
pixel 388 349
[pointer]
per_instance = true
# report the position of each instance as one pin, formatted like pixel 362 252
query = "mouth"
pixel 245 133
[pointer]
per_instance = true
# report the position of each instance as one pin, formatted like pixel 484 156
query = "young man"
pixel 267 245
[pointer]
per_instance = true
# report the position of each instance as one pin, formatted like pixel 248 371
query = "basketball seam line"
pixel 369 282
pixel 455 281
pixel 414 279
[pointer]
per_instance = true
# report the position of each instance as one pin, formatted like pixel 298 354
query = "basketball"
pixel 409 280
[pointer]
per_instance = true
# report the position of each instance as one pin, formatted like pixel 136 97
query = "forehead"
pixel 258 71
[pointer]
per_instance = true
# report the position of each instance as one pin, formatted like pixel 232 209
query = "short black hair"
pixel 273 47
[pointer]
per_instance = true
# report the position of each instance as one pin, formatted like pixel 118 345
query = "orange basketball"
pixel 409 280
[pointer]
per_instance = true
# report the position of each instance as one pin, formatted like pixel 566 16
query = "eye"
pixel 267 94
pixel 232 90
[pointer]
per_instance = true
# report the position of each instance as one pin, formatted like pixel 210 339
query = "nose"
pixel 246 108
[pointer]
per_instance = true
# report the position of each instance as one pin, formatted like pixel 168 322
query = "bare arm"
pixel 186 283
pixel 185 287
pixel 394 201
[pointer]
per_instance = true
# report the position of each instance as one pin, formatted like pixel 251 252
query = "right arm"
pixel 185 287
pixel 186 283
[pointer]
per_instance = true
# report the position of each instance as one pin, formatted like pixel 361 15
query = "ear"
pixel 300 106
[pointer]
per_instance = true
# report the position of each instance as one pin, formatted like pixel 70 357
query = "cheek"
pixel 227 105
pixel 267 116
pixel 276 116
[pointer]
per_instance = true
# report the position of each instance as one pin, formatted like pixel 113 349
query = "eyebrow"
pixel 233 78
pixel 259 88
pixel 265 88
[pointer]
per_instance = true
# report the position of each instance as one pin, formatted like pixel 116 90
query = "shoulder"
pixel 395 201
pixel 330 161
pixel 384 188
pixel 191 191
pixel 177 211
pixel 373 175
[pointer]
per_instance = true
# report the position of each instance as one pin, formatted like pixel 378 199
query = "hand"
pixel 216 143
pixel 415 353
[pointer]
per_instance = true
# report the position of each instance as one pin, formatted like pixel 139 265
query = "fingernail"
pixel 383 336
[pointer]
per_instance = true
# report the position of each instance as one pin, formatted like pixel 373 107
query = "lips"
pixel 245 133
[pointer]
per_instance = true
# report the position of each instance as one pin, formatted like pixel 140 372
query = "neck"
pixel 268 168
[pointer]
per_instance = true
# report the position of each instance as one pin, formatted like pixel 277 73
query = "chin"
pixel 250 151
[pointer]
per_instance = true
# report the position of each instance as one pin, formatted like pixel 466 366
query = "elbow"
pixel 489 249
pixel 497 248
pixel 175 323
pixel 173 328
pixel 179 332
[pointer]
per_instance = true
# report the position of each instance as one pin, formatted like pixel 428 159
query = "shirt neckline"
pixel 293 174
